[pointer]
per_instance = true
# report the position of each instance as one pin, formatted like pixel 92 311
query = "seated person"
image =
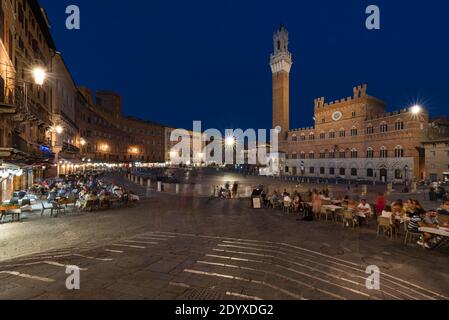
pixel 430 221
pixel 364 209
pixel 287 199
pixel 398 211
pixel 388 213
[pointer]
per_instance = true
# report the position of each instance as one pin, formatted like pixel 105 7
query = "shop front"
pixel 11 177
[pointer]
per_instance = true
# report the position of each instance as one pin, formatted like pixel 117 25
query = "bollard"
pixel 159 186
pixel 149 184
pixel 177 188
pixel 141 181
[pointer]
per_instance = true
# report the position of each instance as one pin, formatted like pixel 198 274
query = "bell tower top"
pixel 280 40
pixel 281 59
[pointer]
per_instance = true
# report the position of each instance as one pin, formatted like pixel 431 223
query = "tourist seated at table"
pixel 430 221
pixel 52 195
pixel 363 211
pixel 388 213
pixel 398 208
pixel 287 200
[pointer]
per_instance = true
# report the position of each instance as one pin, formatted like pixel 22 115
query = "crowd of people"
pixel 82 191
pixel 415 216
pixel 404 215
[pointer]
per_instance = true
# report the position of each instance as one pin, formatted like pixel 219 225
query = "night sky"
pixel 178 61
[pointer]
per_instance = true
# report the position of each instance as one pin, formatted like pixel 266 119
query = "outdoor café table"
pixel 442 232
pixel 332 208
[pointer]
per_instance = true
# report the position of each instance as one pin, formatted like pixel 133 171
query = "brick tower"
pixel 281 64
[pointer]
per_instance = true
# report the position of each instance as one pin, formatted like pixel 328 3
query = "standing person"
pixel 381 202
pixel 235 189
pixel 316 204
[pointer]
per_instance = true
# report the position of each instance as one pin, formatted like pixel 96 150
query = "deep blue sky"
pixel 178 61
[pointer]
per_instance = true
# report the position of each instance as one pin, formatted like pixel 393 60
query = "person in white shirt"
pixel 363 211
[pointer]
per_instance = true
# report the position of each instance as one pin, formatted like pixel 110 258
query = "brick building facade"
pixel 352 138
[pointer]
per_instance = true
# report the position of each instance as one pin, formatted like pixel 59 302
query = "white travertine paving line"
pixel 27 276
pixel 114 251
pixel 263 283
pixel 51 263
pixel 128 246
pixel 179 284
pixel 242 296
pixel 301 273
pixel 151 238
pixel 285 254
pixel 157 234
pixel 311 268
pixel 337 263
pixel 141 242
pixel 83 256
pixel 320 254
pixel 276 274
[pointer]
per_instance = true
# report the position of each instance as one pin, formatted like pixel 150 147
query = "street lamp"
pixel 59 129
pixel 83 142
pixel 39 75
pixel 416 109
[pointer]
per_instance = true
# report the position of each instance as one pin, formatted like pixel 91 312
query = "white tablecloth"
pixel 444 232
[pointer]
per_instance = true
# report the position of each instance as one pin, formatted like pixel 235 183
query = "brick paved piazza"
pixel 177 247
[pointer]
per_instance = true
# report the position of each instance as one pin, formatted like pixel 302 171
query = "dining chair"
pixel 384 224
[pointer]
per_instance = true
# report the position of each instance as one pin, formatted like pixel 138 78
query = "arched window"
pixel 322 136
pixel 294 138
pixel 370 153
pixel 311 155
pixel 354 154
pixel 342 154
pixel 354 172
pixel 303 137
pixel 294 155
pixel 383 127
pixel 342 171
pixel 342 133
pixel 354 132
pixel 370 173
pixel 399 125
pixel 383 152
pixel 322 154
pixel 399 152
pixel 332 154
pixel 303 155
pixel 312 136
pixel 332 134
pixel 370 129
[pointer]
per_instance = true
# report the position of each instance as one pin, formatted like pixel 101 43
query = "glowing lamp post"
pixel 39 75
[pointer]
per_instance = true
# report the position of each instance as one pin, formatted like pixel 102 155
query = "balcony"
pixel 19 143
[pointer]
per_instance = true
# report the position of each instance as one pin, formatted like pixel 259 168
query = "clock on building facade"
pixel 337 115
